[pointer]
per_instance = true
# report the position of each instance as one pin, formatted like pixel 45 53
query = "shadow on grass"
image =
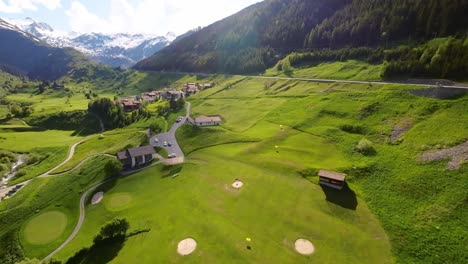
pixel 345 197
pixel 99 253
pixel 171 170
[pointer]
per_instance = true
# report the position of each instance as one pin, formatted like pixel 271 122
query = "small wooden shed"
pixel 332 179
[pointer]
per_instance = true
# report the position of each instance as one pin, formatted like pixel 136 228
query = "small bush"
pixel 365 147
pixel 113 168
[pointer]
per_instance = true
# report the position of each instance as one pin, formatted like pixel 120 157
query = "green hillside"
pixel 257 37
pixel 402 206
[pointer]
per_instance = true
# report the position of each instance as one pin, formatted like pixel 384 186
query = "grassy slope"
pixel 49 194
pixel 248 152
pixel 111 143
pixel 54 102
pixel 348 70
pixel 421 211
pixel 274 208
pixel 27 141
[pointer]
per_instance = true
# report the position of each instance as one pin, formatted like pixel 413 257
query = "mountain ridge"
pixel 116 50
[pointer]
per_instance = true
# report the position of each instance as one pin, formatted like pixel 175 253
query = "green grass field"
pixel 348 70
pixel 35 213
pixel 27 141
pixel 109 143
pixel 274 208
pixel 45 228
pixel 274 136
pixel 53 102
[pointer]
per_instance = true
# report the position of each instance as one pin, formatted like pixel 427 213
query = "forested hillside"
pixel 257 37
pixel 377 22
pixel 248 41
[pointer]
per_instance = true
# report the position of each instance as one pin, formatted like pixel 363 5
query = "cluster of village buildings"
pixel 133 103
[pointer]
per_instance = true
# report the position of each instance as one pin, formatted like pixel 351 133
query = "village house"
pixel 134 157
pixel 191 89
pixel 129 104
pixel 332 179
pixel 207 121
pixel 172 94
pixel 151 96
pixel 207 86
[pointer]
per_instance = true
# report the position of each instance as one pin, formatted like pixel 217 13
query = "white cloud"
pixel 81 20
pixel 152 16
pixel 20 6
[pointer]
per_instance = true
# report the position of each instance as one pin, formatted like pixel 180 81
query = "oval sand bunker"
pixel 97 198
pixel 304 247
pixel 237 184
pixel 186 246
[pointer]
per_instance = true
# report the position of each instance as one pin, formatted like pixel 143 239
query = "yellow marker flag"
pixel 248 239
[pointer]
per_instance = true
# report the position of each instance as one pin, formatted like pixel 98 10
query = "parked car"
pixel 156 140
pixel 169 144
pixel 172 155
pixel 165 144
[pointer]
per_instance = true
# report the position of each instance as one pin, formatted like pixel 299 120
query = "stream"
pixel 12 173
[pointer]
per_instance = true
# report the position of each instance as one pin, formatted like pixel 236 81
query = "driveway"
pixel 170 137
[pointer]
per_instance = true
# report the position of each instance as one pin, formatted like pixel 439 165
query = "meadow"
pixel 274 208
pixel 45 212
pixel 274 137
pixel 106 143
pixel 54 101
pixel 342 70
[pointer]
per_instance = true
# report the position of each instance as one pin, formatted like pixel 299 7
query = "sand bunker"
pixel 97 198
pixel 237 184
pixel 304 247
pixel 186 246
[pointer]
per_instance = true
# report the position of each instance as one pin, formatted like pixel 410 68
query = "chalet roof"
pixel 148 98
pixel 130 103
pixel 174 92
pixel 207 119
pixel 123 155
pixel 141 151
pixel 332 175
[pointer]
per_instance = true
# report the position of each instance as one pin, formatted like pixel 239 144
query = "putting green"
pixel 118 201
pixel 45 228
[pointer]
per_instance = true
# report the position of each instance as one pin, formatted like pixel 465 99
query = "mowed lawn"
pixel 44 104
pixel 238 114
pixel 26 141
pixel 45 228
pixel 274 208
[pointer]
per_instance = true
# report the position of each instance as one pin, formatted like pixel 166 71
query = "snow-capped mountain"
pixel 112 49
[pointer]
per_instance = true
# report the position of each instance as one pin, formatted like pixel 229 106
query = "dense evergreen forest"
pixel 373 30
pixel 377 22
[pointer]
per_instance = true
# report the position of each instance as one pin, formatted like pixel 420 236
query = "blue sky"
pixel 113 16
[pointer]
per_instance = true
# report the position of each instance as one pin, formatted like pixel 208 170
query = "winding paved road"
pixel 170 137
